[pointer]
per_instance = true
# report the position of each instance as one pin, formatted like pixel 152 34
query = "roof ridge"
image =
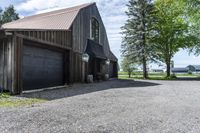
pixel 60 13
pixel 47 13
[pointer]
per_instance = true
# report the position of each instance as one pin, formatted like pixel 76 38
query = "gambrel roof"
pixel 55 20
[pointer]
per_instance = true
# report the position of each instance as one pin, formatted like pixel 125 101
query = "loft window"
pixel 95 30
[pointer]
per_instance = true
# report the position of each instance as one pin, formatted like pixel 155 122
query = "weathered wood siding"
pixel 7 64
pixel 3 63
pixel 18 41
pixel 76 67
pixel 81 33
pixel 60 39
pixel 81 29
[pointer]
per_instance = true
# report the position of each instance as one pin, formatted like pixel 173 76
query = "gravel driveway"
pixel 113 106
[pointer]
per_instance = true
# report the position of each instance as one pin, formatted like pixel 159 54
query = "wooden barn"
pixel 55 48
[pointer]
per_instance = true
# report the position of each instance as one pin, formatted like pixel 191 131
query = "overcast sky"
pixel 112 12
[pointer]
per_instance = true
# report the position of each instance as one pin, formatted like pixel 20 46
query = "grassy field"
pixel 149 78
pixel 155 76
pixel 7 101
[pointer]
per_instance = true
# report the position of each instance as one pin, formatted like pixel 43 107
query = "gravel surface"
pixel 113 106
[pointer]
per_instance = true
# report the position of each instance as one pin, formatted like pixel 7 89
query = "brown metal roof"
pixel 55 20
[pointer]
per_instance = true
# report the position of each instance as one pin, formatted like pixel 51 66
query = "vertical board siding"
pixel 81 30
pixel 3 63
pixel 19 68
pixel 11 65
pixel 76 67
pixel 59 38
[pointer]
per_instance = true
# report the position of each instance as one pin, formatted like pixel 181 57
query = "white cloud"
pixel 183 59
pixel 21 16
pixel 38 5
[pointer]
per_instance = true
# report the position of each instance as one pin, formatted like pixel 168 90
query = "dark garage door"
pixel 42 68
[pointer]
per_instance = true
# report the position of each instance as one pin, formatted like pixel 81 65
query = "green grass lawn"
pixel 7 101
pixel 159 74
pixel 154 76
pixel 149 78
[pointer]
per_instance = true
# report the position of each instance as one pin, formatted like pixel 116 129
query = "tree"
pixel 128 66
pixel 1 16
pixel 193 13
pixel 135 44
pixel 8 15
pixel 170 30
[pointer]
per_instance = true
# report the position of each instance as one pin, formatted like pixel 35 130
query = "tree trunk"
pixel 144 60
pixel 168 64
pixel 129 75
pixel 145 74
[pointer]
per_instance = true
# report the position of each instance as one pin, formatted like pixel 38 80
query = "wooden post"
pixel 67 67
pixel 71 67
pixel 19 61
pixel 5 67
pixel 86 70
pixel 14 64
pixel 83 71
pixel 11 67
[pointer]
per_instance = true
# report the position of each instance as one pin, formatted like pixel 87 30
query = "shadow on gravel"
pixel 80 89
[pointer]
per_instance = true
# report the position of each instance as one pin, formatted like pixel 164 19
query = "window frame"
pixel 91 29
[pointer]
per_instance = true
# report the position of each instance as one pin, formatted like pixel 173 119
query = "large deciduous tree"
pixel 193 13
pixel 8 15
pixel 135 44
pixel 170 30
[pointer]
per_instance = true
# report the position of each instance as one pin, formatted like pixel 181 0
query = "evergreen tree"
pixel 1 16
pixel 8 15
pixel 135 44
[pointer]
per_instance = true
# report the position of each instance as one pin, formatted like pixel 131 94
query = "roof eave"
pixel 18 29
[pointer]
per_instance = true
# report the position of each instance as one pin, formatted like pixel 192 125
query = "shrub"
pixel 190 72
pixel 171 77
